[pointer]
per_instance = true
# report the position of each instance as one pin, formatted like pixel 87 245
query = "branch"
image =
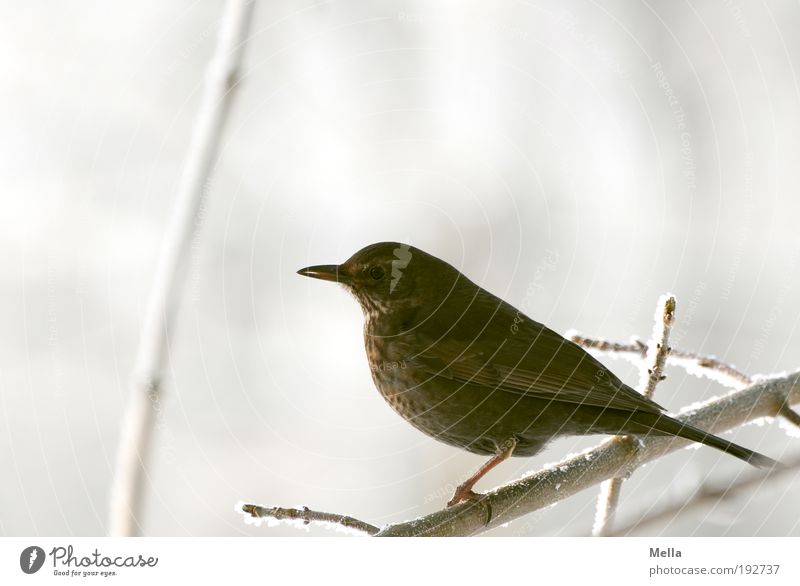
pixel 608 501
pixel 610 459
pixel 610 490
pixel 160 315
pixel 708 495
pixel 694 363
pixel 307 516
pixel 736 378
pixel 661 349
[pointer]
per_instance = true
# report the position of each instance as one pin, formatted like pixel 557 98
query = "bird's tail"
pixel 666 424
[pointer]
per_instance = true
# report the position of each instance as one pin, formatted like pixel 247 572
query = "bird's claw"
pixel 464 494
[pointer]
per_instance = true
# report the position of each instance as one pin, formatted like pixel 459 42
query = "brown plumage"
pixel 470 370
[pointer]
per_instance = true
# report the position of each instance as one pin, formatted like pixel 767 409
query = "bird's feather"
pixel 532 360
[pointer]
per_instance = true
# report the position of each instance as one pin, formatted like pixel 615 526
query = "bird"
pixel 470 370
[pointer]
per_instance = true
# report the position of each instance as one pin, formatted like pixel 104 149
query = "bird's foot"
pixel 463 494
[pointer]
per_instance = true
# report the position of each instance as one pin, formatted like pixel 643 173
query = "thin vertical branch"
pixel 608 499
pixel 160 314
pixel 657 353
pixel 607 504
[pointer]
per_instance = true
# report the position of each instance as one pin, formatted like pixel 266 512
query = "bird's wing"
pixel 548 367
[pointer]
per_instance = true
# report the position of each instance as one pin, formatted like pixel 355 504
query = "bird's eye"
pixel 376 273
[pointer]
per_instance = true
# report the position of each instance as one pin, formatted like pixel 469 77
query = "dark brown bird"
pixel 470 370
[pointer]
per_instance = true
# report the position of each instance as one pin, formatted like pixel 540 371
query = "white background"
pixel 490 134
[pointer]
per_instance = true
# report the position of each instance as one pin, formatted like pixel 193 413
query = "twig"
pixel 307 516
pixel 608 499
pixel 160 315
pixel 660 350
pixel 711 364
pixel 634 347
pixel 682 358
pixel 554 484
pixel 707 495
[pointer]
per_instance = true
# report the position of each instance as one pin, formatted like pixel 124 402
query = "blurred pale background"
pixel 578 159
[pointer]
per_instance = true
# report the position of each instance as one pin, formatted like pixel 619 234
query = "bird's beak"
pixel 324 272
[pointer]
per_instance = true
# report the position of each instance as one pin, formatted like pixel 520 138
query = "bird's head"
pixel 390 276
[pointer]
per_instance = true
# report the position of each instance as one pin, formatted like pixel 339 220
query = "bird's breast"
pixel 391 364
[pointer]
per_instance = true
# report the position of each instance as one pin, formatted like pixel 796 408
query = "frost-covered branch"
pixel 307 516
pixel 608 499
pixel 610 459
pixel 660 350
pixel 694 363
